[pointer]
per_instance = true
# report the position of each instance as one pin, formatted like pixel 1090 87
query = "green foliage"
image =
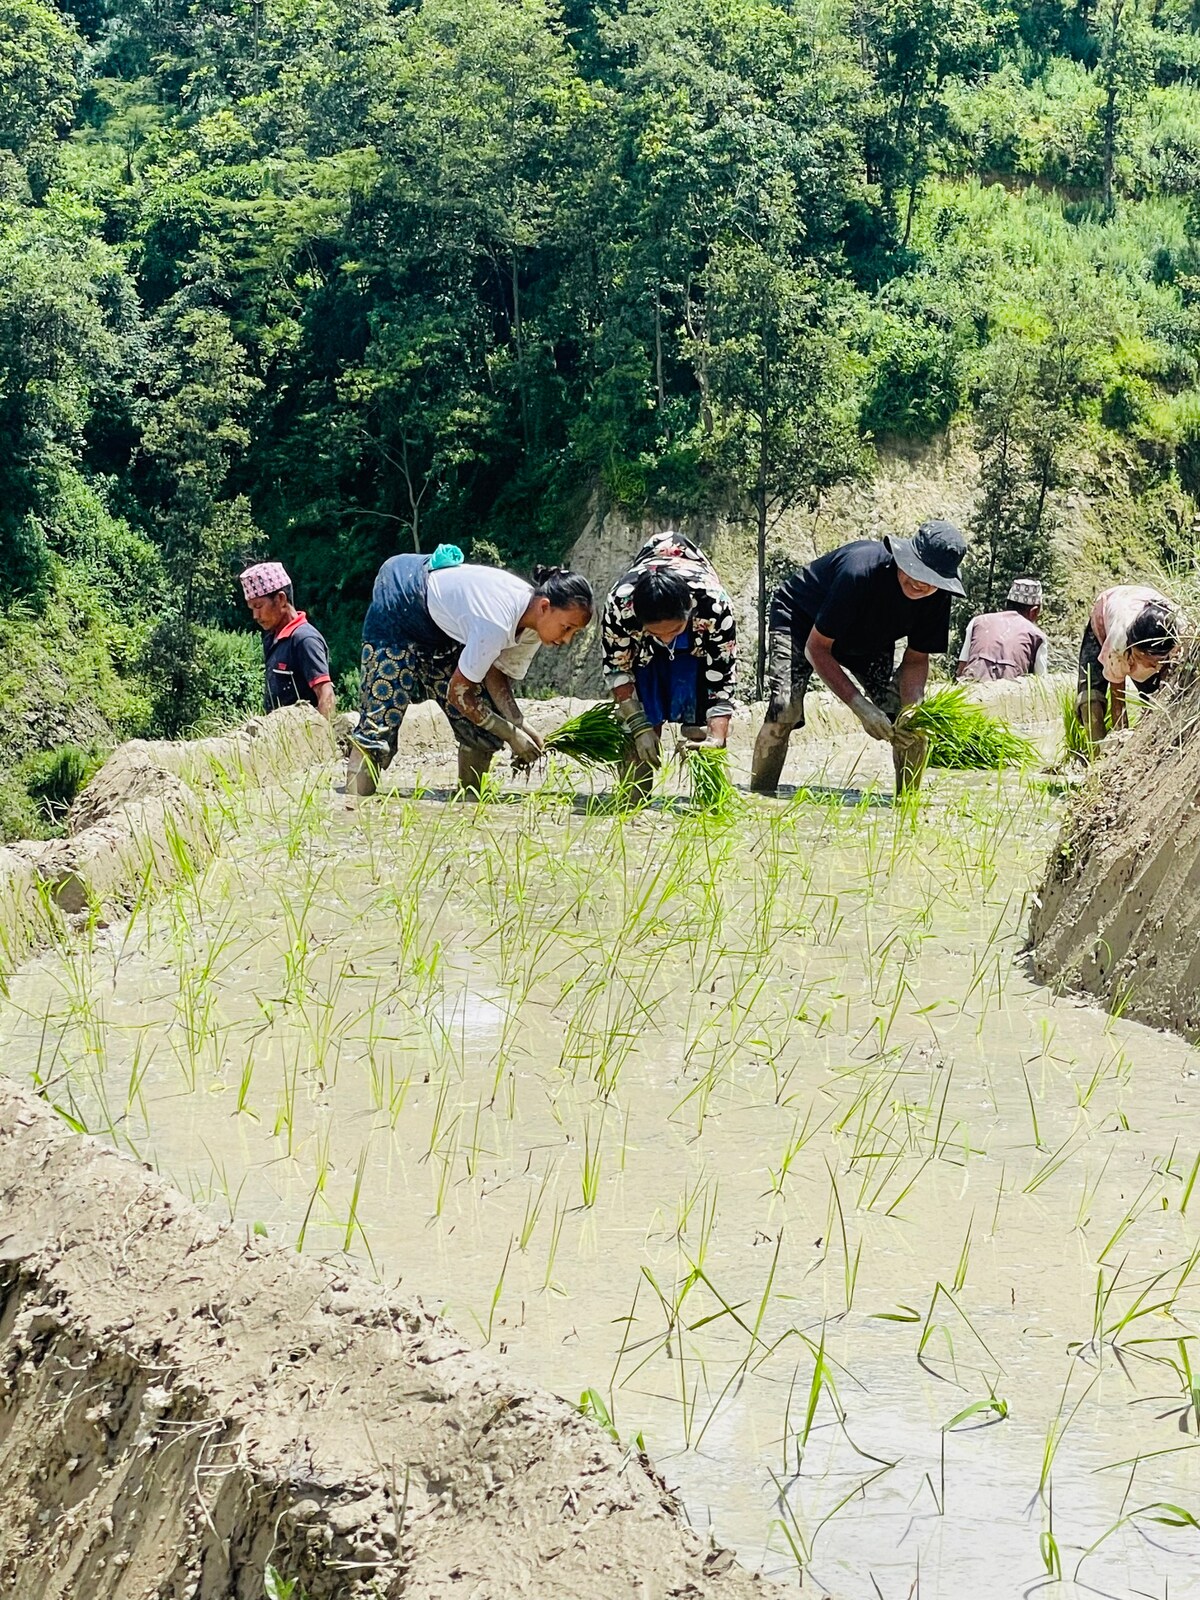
pixel 961 734
pixel 205 679
pixel 1076 746
pixel 337 281
pixel 40 58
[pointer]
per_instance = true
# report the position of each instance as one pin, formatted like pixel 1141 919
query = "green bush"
pixel 917 381
pixel 53 778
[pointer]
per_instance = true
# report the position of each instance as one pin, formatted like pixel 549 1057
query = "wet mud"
pixel 759 1137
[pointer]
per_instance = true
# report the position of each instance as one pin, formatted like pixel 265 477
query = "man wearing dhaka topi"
pixel 295 656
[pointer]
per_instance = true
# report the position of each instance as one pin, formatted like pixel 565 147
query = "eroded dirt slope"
pixel 1119 912
pixel 181 1405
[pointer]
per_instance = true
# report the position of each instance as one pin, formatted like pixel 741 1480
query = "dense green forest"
pixel 332 278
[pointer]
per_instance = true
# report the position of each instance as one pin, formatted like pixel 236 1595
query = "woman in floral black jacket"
pixel 670 650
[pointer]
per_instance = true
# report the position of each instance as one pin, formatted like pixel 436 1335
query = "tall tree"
pixel 194 431
pixel 782 400
pixel 1124 68
pixel 912 49
pixel 40 59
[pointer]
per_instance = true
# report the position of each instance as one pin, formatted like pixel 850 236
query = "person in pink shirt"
pixel 1132 634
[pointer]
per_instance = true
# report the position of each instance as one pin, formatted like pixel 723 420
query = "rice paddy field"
pixel 750 1131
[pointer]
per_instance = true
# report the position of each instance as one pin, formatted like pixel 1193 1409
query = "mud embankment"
pixel 152 808
pixel 1118 915
pixel 182 1404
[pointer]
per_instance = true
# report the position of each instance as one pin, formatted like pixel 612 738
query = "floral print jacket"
pixel 714 633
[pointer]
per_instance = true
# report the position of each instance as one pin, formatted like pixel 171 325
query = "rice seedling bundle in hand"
pixel 594 738
pixel 962 735
pixel 712 787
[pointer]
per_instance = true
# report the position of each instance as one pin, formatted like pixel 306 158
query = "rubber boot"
pixel 635 779
pixel 1092 710
pixel 770 753
pixel 362 773
pixel 472 767
pixel 909 760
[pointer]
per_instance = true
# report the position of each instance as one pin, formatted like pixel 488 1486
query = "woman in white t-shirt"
pixel 1133 635
pixel 442 629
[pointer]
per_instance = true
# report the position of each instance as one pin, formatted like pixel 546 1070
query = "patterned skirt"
pixel 396 677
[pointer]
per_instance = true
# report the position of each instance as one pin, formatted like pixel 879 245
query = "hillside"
pixel 332 281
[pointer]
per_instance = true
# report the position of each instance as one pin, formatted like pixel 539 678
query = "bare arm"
pixel 1120 717
pixel 326 700
pixel 913 676
pixel 819 650
pixel 467 697
pixel 499 685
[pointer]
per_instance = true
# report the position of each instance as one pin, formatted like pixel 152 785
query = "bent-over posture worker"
pixel 844 613
pixel 670 651
pixel 1132 633
pixel 442 629
pixel 1008 643
pixel 295 655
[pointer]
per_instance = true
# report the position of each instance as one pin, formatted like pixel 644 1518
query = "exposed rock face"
pixel 1119 912
pixel 181 1405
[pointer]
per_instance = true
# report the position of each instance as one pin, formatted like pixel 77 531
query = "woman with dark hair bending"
pixel 670 651
pixel 442 629
pixel 1133 633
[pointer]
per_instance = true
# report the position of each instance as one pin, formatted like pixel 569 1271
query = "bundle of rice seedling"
pixel 712 787
pixel 595 738
pixel 961 734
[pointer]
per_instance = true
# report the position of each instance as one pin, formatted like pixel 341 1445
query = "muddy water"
pixel 760 1131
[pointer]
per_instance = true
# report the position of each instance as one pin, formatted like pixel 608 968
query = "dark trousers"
pixel 789 673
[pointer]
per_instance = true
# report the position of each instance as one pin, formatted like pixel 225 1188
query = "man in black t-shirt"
pixel 844 613
pixel 295 655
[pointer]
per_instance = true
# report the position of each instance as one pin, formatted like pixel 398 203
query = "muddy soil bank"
pixel 183 1404
pixel 152 806
pixel 1118 914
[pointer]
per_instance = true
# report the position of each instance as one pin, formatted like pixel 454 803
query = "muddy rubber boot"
pixel 1092 711
pixel 635 779
pixel 770 753
pixel 362 774
pixel 472 767
pixel 909 760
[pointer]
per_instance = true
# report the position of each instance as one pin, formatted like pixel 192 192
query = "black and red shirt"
pixel 296 659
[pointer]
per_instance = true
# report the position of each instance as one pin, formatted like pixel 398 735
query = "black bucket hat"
pixel 933 555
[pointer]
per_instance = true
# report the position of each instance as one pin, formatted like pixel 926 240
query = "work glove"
pixel 876 723
pixel 646 745
pixel 524 744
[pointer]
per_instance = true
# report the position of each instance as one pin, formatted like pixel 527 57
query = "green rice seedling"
pixel 594 738
pixel 1076 745
pixel 548 1281
pixel 592 1159
pixel 713 792
pixel 962 735
pixel 353 1221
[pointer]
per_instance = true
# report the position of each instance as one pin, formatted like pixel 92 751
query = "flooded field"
pixel 755 1134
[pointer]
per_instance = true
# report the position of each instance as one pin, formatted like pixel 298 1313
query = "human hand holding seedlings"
pixel 646 742
pixel 525 745
pixel 696 737
pixel 876 723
